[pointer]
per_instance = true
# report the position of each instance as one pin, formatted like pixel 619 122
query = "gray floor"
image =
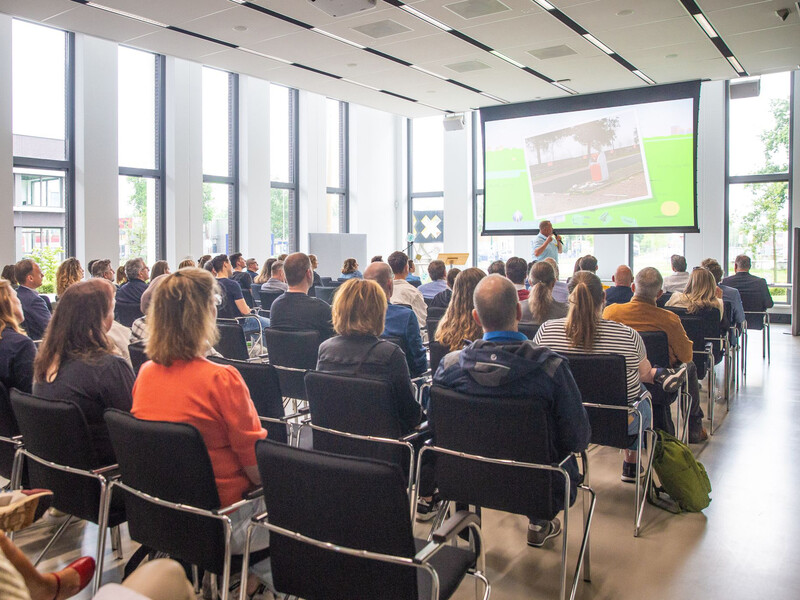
pixel 742 546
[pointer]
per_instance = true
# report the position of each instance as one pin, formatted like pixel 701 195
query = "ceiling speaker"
pixel 750 88
pixel 341 8
pixel 454 122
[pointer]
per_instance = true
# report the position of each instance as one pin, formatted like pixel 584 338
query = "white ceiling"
pixel 658 37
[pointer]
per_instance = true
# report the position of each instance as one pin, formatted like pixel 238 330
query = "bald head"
pixel 297 269
pixel 496 304
pixel 380 273
pixel 623 276
pixel 648 284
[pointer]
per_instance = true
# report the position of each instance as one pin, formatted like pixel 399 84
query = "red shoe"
pixel 84 566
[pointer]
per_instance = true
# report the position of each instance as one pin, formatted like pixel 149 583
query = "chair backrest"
pixel 335 283
pixel 437 353
pixel 232 343
pixel 127 312
pixel 346 501
pixel 138 356
pixel 56 431
pixel 325 293
pixel 602 379
pixel 248 297
pixel 656 344
pixel 353 405
pixel 662 300
pixel 265 392
pixel 8 429
pixel 753 305
pixel 695 331
pixel 428 301
pixel 492 427
pixel 432 324
pixel 436 312
pixel 297 349
pixel 325 281
pixel 267 298
pixel 168 461
pixel 397 341
pixel 528 329
pixel 255 291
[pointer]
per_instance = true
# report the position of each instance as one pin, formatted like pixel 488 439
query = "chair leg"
pixel 711 385
pixel 116 543
pixel 53 539
pixel 769 349
pixel 587 513
pixel 214 586
pixel 246 562
pixel 584 554
pixel 102 525
pixel 196 579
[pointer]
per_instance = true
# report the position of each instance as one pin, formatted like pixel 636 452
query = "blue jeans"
pixel 633 420
pixel 250 326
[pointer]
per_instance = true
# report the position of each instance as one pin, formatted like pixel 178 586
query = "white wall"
pixel 7 243
pixel 457 190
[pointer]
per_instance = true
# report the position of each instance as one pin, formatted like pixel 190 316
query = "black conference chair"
pixel 170 493
pixel 247 294
pixel 656 344
pixel 138 356
pixel 325 293
pixel 267 298
pixel 232 342
pixel 255 291
pixel 335 283
pixel 265 391
pixel 327 542
pixel 662 300
pixel 436 312
pixel 496 453
pixel 292 353
pixel 59 456
pixel 528 329
pixel 757 319
pixel 602 381
pixel 437 353
pixel 325 281
pixel 10 437
pixel 358 417
pixel 127 312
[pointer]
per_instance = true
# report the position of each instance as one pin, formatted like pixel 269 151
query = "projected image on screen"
pixel 618 166
pixel 588 165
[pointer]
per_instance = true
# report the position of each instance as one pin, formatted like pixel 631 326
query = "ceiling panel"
pixel 653 35
pixel 303 47
pixel 259 27
pixel 101 24
pixel 437 10
pixel 36 11
pixel 440 45
pixel 775 61
pixel 529 29
pixel 176 44
pixel 305 11
pixel 171 12
pixel 601 15
pixel 344 28
pixel 751 17
pixel 711 5
pixel 353 64
pixel 236 60
pixel 766 39
pixel 687 52
pixel 715 68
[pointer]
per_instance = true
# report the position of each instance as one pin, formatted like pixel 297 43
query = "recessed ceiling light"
pixel 625 13
pixel 351 65
pixel 240 28
pixel 431 91
pixel 671 56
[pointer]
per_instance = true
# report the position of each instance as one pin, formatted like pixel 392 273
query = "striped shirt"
pixel 611 338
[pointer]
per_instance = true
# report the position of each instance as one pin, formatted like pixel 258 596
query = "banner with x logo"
pixel 428 226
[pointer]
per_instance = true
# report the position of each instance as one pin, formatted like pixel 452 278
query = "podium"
pixel 453 258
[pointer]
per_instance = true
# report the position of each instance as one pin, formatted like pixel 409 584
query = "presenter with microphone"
pixel 548 244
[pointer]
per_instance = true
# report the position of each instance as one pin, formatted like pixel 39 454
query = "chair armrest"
pixel 106 469
pixel 419 430
pixel 455 525
pixel 253 494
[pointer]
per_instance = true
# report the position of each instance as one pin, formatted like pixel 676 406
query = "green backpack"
pixel 682 478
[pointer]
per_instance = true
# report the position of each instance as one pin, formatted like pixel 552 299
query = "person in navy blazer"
pixel 751 285
pixel 34 308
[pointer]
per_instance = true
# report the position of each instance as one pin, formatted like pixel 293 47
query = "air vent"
pixel 382 29
pixel 552 52
pixel 467 66
pixel 472 9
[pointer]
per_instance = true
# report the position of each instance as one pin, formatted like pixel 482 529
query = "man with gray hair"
pixel 678 280
pixel 137 273
pixel 505 364
pixel 642 314
pixel 401 322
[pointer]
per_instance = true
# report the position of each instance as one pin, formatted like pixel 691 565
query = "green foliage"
pixel 776 140
pixel 596 134
pixel 48 260
pixel 137 241
pixel 208 203
pixel 279 212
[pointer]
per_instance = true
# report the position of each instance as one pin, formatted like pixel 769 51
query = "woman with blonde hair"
pixel 121 277
pixel 179 385
pixel 700 294
pixel 70 271
pixel 266 271
pixel 457 324
pixel 350 270
pixel 540 305
pixel 17 350
pixel 186 262
pixel 584 331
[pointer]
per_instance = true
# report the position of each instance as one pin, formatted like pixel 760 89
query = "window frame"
pixel 294 169
pixel 411 195
pixel 343 191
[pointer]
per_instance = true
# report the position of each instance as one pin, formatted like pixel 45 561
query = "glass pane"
pixel 492 247
pixel 137 109
pixel 759 219
pixel 282 221
pixel 38 83
pixel 335 159
pixel 759 129
pixel 427 155
pixel 334 213
pixel 427 224
pixel 137 218
pixel 655 250
pixel 281 124
pixel 45 245
pixel 39 216
pixel 216 122
pixel 216 223
pixel 574 247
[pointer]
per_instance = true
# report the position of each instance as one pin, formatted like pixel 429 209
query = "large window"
pixel 141 152
pixel 656 250
pixel 220 161
pixel 283 155
pixel 426 190
pixel 336 166
pixel 758 182
pixel 42 122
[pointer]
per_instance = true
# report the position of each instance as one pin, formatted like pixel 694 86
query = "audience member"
pixel 209 266
pixel 546 244
pixel 743 281
pixel 359 310
pixel 8 275
pixel 350 270
pixel 160 267
pixel 186 263
pixel 560 290
pixel 700 294
pixel 642 314
pixel 442 299
pixel 679 278
pixel 729 294
pixel 401 322
pixel 34 308
pixel 89 266
pixel 314 267
pixel 620 292
pixel 68 272
pixel 404 292
pixel 17 350
pixel 102 269
pixel 585 331
pixel 252 268
pixel 457 324
pixel 516 270
pixel 121 278
pixel 437 271
pixel 504 364
pixel 77 361
pixel 137 273
pixel 295 310
pixel 233 303
pixel 240 274
pixel 541 306
pixel 412 277
pixel 201 262
pixel 589 263
pixel 498 267
pixel 266 271
pixel 139 326
pixel 179 385
pixel 377 258
pixel 277 282
pixel 282 257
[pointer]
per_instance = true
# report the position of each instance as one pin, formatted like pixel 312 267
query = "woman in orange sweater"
pixel 178 384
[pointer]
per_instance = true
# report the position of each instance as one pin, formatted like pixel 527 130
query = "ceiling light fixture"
pixel 705 25
pixel 507 59
pixel 561 86
pixel 431 73
pixel 127 15
pixel 262 55
pixel 736 65
pixel 593 40
pixel 697 14
pixel 545 4
pixel 642 76
pixel 364 85
pixel 495 98
pixel 337 38
pixel 426 18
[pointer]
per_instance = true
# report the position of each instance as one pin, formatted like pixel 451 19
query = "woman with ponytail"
pixel 540 305
pixel 584 331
